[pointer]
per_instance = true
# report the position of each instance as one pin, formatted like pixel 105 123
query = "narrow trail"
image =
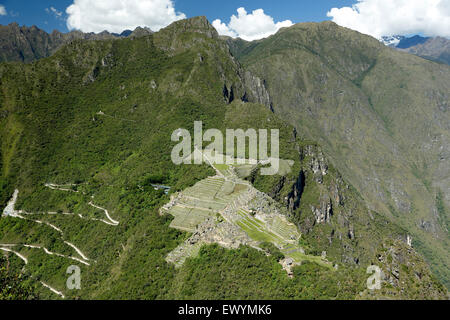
pixel 53 290
pixel 11 212
pixel 25 260
pixel 77 250
pixel 20 214
pixel 56 254
pixel 39 222
pixel 16 253
pixel 80 253
pixel 60 187
pixel 70 214
pixel 113 222
pixel 5 247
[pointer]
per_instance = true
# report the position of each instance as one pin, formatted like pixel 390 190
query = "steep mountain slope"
pixel 28 44
pixel 435 49
pixel 86 141
pixel 14 283
pixel 380 115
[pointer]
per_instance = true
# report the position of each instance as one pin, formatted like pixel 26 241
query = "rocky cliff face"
pixel 380 116
pixel 104 114
pixel 24 44
pixel 245 87
pixel 403 274
pixel 256 90
pixel 336 224
pixel 28 44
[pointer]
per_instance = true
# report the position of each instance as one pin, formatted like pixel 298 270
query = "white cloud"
pixel 223 29
pixel 118 15
pixel 52 10
pixel 395 17
pixel 3 10
pixel 254 26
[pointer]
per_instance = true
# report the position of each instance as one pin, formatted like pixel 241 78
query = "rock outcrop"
pixel 324 212
pixel 256 90
pixel 29 44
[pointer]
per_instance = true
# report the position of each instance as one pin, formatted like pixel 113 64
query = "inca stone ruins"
pixel 229 211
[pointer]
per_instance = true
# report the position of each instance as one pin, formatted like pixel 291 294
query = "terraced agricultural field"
pixel 255 233
pixel 224 169
pixel 283 228
pixel 207 198
pixel 229 197
pixel 299 257
pixel 283 234
pixel 182 252
pixel 187 219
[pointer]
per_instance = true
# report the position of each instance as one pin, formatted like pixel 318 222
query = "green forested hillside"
pixel 15 284
pixel 87 132
pixel 380 115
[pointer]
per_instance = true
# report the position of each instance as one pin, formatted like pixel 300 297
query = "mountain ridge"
pixel 342 100
pixel 28 44
pixel 96 118
pixel 434 49
pixel 431 48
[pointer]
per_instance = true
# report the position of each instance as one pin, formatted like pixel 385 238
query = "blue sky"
pixel 26 12
pixel 236 18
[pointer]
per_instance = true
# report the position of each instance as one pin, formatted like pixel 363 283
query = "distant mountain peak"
pixel 403 42
pixel 435 49
pixel 406 43
pixel 392 41
pixel 198 24
pixel 26 44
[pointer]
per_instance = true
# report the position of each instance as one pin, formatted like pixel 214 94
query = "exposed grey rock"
pixel 28 44
pixel 323 213
pixel 295 195
pixel 256 90
pixel 10 207
pixel 351 233
pixel 319 165
pixel 409 240
pixel 140 32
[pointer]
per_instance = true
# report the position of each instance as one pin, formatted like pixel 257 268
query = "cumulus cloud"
pixel 119 15
pixel 253 26
pixel 223 29
pixel 2 10
pixel 395 17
